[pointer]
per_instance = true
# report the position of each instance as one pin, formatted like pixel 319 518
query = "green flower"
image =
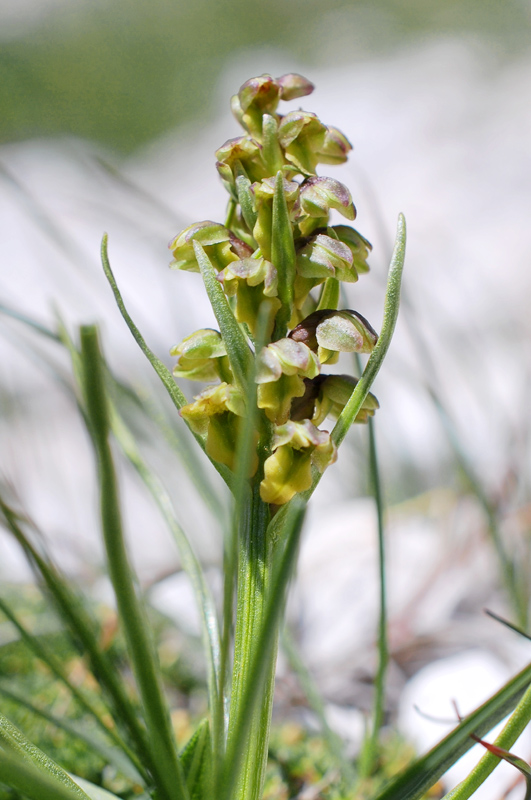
pixel 307 142
pixel 297 446
pixel 326 396
pixel 220 245
pixel 329 332
pixel 318 196
pixel 218 413
pixel 242 155
pixel 358 246
pixel 202 357
pixel 281 367
pixel 252 281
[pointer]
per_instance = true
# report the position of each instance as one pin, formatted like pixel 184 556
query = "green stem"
pixel 370 749
pixel 253 574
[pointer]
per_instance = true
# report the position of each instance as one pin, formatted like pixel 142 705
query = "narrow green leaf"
pixel 190 562
pixel 82 629
pixel 31 323
pixel 392 303
pixel 271 151
pixel 178 398
pixel 94 792
pixel 245 199
pixel 350 412
pixel 12 738
pixel 282 256
pixel 98 744
pixel 176 395
pixel 238 351
pixel 514 726
pixel 414 781
pixel 369 754
pixel 169 775
pixel 196 760
pixel 32 782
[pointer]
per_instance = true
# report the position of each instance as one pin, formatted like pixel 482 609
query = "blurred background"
pixel 110 114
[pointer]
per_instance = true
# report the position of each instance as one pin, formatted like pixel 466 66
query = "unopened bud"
pixel 293 86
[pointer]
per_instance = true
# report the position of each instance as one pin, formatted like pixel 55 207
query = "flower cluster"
pixel 276 248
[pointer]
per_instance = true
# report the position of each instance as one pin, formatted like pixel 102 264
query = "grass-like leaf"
pixel 176 395
pixel 98 744
pixel 245 199
pixel 423 773
pixel 238 351
pixel 82 629
pixel 282 256
pixel 514 726
pixel 168 775
pixel 14 741
pixel 94 792
pixel 369 752
pixel 350 411
pixel 392 304
pixel 196 760
pixel 190 562
pixel 33 783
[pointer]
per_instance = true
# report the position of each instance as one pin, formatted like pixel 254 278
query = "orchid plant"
pixel 273 273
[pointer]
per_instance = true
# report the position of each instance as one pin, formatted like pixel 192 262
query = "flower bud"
pixel 220 245
pixel 296 447
pixel 256 97
pixel 253 281
pixel 293 86
pixel 281 366
pixel 201 357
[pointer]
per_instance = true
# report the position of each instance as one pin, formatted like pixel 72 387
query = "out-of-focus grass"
pixel 125 72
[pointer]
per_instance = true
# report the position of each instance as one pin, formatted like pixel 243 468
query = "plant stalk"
pixel 254 562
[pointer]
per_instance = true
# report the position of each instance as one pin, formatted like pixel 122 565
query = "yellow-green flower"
pixel 202 356
pixel 330 332
pixel 297 446
pixel 220 245
pixel 252 281
pixel 218 413
pixel 281 367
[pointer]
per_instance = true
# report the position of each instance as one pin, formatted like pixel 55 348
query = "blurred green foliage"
pixel 122 73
